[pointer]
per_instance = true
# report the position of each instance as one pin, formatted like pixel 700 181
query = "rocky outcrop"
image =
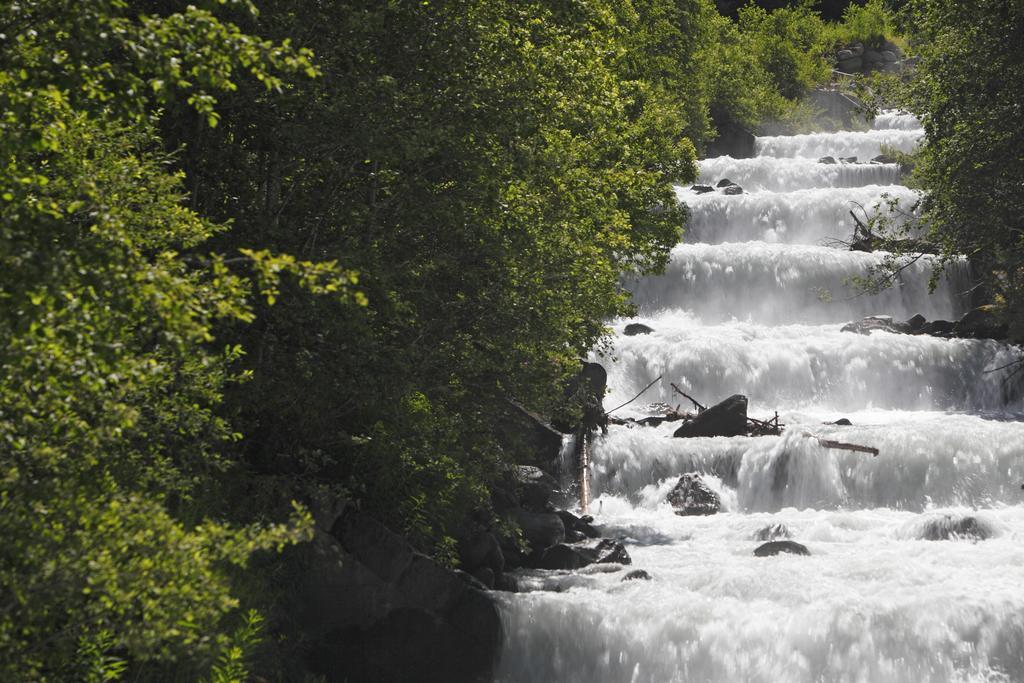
pixel 728 418
pixel 691 496
pixel 980 323
pixel 775 547
pixel 365 606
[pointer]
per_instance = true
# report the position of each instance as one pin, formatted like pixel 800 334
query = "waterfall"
pixel 916 557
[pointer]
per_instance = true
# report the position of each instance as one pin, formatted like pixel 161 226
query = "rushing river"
pixel 753 302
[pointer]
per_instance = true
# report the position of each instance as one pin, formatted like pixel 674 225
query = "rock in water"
pixel 776 547
pixel 728 418
pixel 637 575
pixel 612 552
pixel 732 189
pixel 634 329
pixel 702 189
pixel 871 323
pixel 691 496
pixel 772 532
pixel 724 182
pixel 947 527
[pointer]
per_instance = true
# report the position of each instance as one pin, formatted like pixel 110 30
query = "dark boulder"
pixel 843 422
pixel 534 486
pixel 850 65
pixel 872 323
pixel 938 328
pixel 916 323
pixel 885 159
pixel 580 525
pixel 586 390
pixel 724 182
pixel 948 527
pixel 637 575
pixel 775 547
pixel 368 607
pixel 567 557
pixel 772 532
pixel 634 329
pixel 728 418
pixel 702 189
pixel 611 552
pixel 827 160
pixel 482 551
pixel 541 529
pixel 526 437
pixel 732 190
pixel 691 496
pixel 981 323
pixel 485 576
pixel 733 140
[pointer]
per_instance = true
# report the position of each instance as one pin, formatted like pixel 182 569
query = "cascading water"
pixel 753 303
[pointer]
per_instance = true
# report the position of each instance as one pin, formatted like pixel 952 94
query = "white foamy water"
pixel 779 283
pixel 863 145
pixel 784 175
pixel 894 119
pixel 794 217
pixel 877 600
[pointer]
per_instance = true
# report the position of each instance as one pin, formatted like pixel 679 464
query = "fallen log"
pixel 829 443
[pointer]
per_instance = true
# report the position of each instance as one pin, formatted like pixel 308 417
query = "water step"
pixel 806 216
pixel 863 144
pixel 782 174
pixel 799 366
pixel 779 283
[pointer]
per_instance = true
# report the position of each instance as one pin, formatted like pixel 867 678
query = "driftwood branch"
pixel 609 412
pixel 692 400
pixel 828 443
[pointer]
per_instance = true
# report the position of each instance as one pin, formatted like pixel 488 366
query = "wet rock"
pixel 843 422
pixel 702 189
pixel 482 550
pixel 485 576
pixel 772 532
pixel 728 418
pixel 534 486
pixel 568 557
pixel 526 437
pixel 581 525
pixel 637 575
pixel 507 583
pixel 948 527
pixel 872 323
pixel 884 159
pixel 732 190
pixel 916 323
pixel 827 160
pixel 724 182
pixel 541 529
pixel 775 547
pixel 368 607
pixel 691 496
pixel 848 160
pixel 587 388
pixel 938 328
pixel 980 323
pixel 634 329
pixel 612 552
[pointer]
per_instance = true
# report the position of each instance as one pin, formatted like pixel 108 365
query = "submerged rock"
pixel 691 496
pixel 948 527
pixel 775 547
pixel 728 418
pixel 637 575
pixel 772 532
